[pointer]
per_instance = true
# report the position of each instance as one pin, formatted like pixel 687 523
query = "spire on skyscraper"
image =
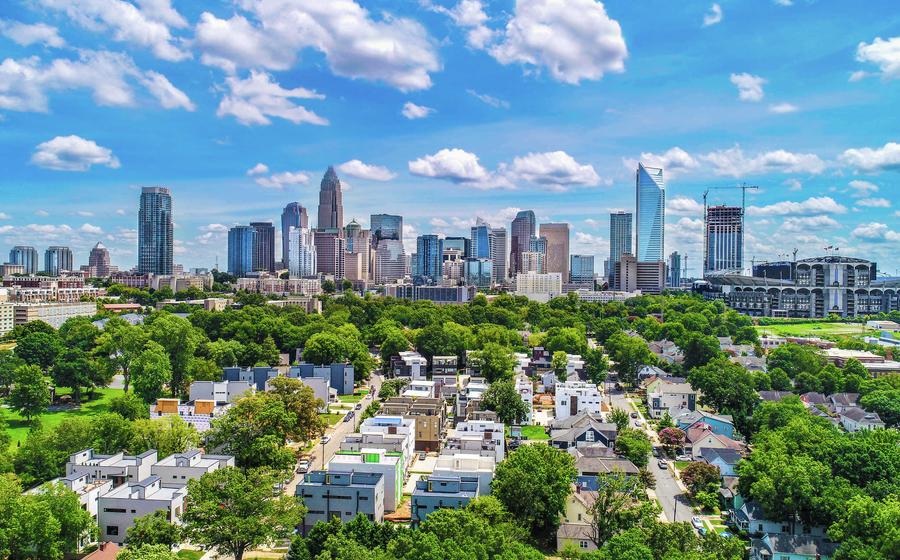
pixel 331 203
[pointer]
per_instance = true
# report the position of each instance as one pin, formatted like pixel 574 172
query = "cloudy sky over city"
pixel 447 110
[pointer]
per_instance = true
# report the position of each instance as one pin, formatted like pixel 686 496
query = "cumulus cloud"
pixel 883 53
pixel 453 164
pixel 809 207
pixel 674 161
pixel 557 169
pixel 683 206
pixel 258 169
pixel 279 181
pixel 391 49
pixel 412 111
pixel 713 16
pixel 214 228
pixel 793 184
pixel 360 170
pixel 781 108
pixel 72 153
pixel 253 100
pixel 146 25
pixel 92 229
pixel 592 223
pixel 438 222
pixel 875 232
pixel 573 41
pixel 808 223
pixel 884 158
pixel 27 34
pixel 750 87
pixel 469 15
pixel 863 188
pixel 686 232
pixel 5 216
pixel 734 163
pixel 25 83
pixel 494 102
pixel 874 202
pixel 120 212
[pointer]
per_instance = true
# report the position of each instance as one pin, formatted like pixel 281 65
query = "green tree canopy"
pixel 502 398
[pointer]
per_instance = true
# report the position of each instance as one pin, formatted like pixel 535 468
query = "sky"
pixel 447 110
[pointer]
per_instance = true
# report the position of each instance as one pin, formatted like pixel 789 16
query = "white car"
pixel 696 522
pixel 325 439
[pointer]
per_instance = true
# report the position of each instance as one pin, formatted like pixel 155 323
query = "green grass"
pixel 534 432
pixel 17 427
pixel 332 419
pixel 814 329
pixel 680 465
pixel 351 398
pixel 190 554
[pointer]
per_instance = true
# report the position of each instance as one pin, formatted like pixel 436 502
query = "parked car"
pixel 422 455
pixel 325 439
pixel 634 414
pixel 662 463
pixel 684 458
pixel 696 522
pixel 349 416
pixel 302 467
pixel 358 406
pixel 656 451
pixel 638 424
pixel 725 535
pixel 702 531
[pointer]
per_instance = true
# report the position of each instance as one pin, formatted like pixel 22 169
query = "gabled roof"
pixel 861 416
pixel 609 431
pixel 579 419
pixel 773 396
pixel 727 455
pixel 600 465
pixel 845 399
pixel 700 430
pixel 813 398
pixel 692 416
pixel 795 544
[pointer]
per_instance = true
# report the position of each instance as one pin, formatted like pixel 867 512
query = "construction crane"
pixel 744 188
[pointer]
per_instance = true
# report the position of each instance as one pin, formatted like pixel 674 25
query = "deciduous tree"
pixel 151 371
pixel 502 398
pixel 30 395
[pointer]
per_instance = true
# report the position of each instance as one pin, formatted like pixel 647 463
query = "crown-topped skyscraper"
pixel 331 203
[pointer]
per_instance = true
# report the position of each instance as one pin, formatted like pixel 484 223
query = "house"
pixel 220 392
pixel 198 414
pixel 657 379
pixel 464 465
pixel 771 342
pixel 666 351
pixel 340 376
pixel 727 345
pixel 389 465
pixel 751 363
pixel 575 521
pixel 480 437
pixel 721 424
pixel 441 492
pixel 430 416
pixel 341 494
pixel 409 364
pixel 773 396
pixel 574 397
pixel 854 419
pixel 525 388
pixel 119 507
pixel 176 470
pixel 393 426
pixel 419 388
pixel 842 401
pixel 812 398
pixel 256 376
pixel 701 435
pixel 791 547
pixel 584 433
pixel 469 397
pixel 444 365
pixel 445 385
pixel 748 516
pixel 589 468
pixel 118 467
pixel 725 458
pixel 671 397
pixel 647 371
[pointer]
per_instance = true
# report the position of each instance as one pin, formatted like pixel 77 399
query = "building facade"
pixel 301 252
pixel 499 254
pixel 98 261
pixel 386 226
pixel 330 249
pixel 156 241
pixel 724 237
pixel 582 269
pixel 293 215
pixel 26 256
pixel 619 239
pixel 390 261
pixel 556 257
pixel 264 246
pixel 650 230
pixel 241 242
pixel 57 259
pixel 428 259
pixel 521 231
pixel 674 279
pixel 331 201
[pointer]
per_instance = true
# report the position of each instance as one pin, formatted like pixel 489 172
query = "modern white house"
pixel 525 388
pixel 218 391
pixel 121 506
pixel 393 426
pixel 481 437
pixel 410 364
pixel 854 419
pixel 419 389
pixel 390 465
pixel 575 397
pixel 176 470
pixel 466 465
pixel 119 468
pixel 671 398
pixel 88 489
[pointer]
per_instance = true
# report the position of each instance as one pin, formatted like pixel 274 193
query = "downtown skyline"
pixel 561 136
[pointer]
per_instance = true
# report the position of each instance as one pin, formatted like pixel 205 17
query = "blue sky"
pixel 444 110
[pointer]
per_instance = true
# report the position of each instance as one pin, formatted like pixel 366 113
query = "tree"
pixel 168 435
pixel 533 483
pixel 391 387
pixel 630 353
pixel 559 362
pixel 254 431
pixel 698 476
pixel 129 406
pixel 886 403
pixel 620 418
pixel 699 349
pixel 867 529
pixel 566 339
pixel 502 398
pixel 596 365
pixel 147 552
pixel 302 402
pixel 111 433
pixel 394 343
pixel 672 438
pixel 31 393
pixel 154 529
pixel 620 504
pixel 119 346
pixel 325 348
pixel 80 333
pixel 40 349
pixel 634 446
pixel 796 358
pixel 780 380
pixel 73 370
pixel 151 371
pixel 727 387
pixel 179 339
pixel 9 362
pixel 855 368
pixel 65 507
pixel 234 511
pixel 496 362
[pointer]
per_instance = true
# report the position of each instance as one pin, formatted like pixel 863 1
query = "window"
pixel 589 435
pixel 583 544
pixel 112 530
pixel 114 510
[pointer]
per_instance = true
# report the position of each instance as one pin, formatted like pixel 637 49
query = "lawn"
pixel 815 329
pixel 351 398
pixel 680 465
pixel 534 432
pixel 332 419
pixel 190 554
pixel 17 427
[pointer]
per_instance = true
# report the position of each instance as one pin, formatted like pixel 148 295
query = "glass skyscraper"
pixel 619 240
pixel 556 255
pixel 26 256
pixel 386 226
pixel 582 269
pixel 241 240
pixel 650 189
pixel 460 244
pixel 264 246
pixel 301 252
pixel 428 259
pixel 156 242
pixel 480 247
pixel 293 215
pixel 331 201
pixel 57 259
pixel 521 232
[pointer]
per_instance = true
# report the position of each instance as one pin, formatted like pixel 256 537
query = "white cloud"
pixel 438 222
pixel 781 108
pixel 92 229
pixel 84 213
pixel 258 169
pixel 5 216
pixel 6 229
pixel 253 100
pixel 684 206
pixel 214 228
pixel 279 181
pixel 733 162
pixel 873 159
pixel 25 83
pixel 595 224
pixel 713 16
pixel 360 170
pixel 412 111
pixel 394 50
pixel 574 40
pixel 551 168
pixel 469 15
pixel 875 232
pixel 72 153
pixel 686 232
pixel 863 188
pixel 874 203
pixel 41 213
pixel 148 27
pixel 453 164
pixel 883 53
pixel 489 99
pixel 120 212
pixel 784 2
pixel 793 185
pixel 802 224
pixel 750 87
pixel 809 207
pixel 673 161
pixel 27 34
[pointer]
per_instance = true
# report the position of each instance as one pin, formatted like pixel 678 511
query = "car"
pixel 696 522
pixel 702 531
pixel 358 406
pixel 634 414
pixel 684 458
pixel 325 439
pixel 638 424
pixel 422 455
pixel 656 451
pixel 662 463
pixel 725 535
pixel 302 467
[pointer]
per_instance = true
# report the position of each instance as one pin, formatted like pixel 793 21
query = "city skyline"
pixel 443 138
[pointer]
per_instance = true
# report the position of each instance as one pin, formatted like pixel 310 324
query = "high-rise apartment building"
pixel 293 215
pixel 57 259
pixel 301 252
pixel 386 226
pixel 582 270
pixel 98 261
pixel 674 270
pixel 156 241
pixel 330 249
pixel 499 254
pixel 521 231
pixel 650 230
pixel 390 261
pixel 724 239
pixel 264 246
pixel 556 257
pixel 455 243
pixel 360 254
pixel 241 242
pixel 619 239
pixel 479 272
pixel 26 256
pixel 331 202
pixel 480 244
pixel 532 261
pixel 428 259
pixel 632 274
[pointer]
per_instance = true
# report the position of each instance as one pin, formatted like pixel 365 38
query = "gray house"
pixel 438 492
pixel 256 376
pixel 339 376
pixel 341 494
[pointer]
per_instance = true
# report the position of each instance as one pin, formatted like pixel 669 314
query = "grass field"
pixel 190 554
pixel 332 419
pixel 17 427
pixel 351 399
pixel 534 432
pixel 815 329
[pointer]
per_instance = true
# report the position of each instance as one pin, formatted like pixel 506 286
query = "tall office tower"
pixel 390 261
pixel 331 202
pixel 480 245
pixel 330 249
pixel 241 241
pixel 26 256
pixel 478 272
pixel 455 243
pixel 538 245
pixel 532 261
pixel 499 254
pixel 301 252
pixel 156 241
pixel 414 268
pixel 264 246
pixel 582 267
pixel 724 239
pixel 521 231
pixel 674 270
pixel 619 240
pixel 58 259
pixel 647 276
pixel 428 259
pixel 293 215
pixel 358 268
pixel 98 261
pixel 385 226
pixel 557 254
pixel 650 230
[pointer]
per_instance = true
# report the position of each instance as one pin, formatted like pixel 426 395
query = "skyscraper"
pixel 455 243
pixel 480 245
pixel 359 260
pixel 26 256
pixel 499 254
pixel 331 202
pixel 57 259
pixel 293 215
pixel 619 240
pixel 557 254
pixel 478 272
pixel 330 248
pixel 301 252
pixel 264 246
pixel 521 231
pixel 156 242
pixel 428 259
pixel 675 270
pixel 582 267
pixel 98 261
pixel 390 261
pixel 386 226
pixel 650 191
pixel 724 239
pixel 241 242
